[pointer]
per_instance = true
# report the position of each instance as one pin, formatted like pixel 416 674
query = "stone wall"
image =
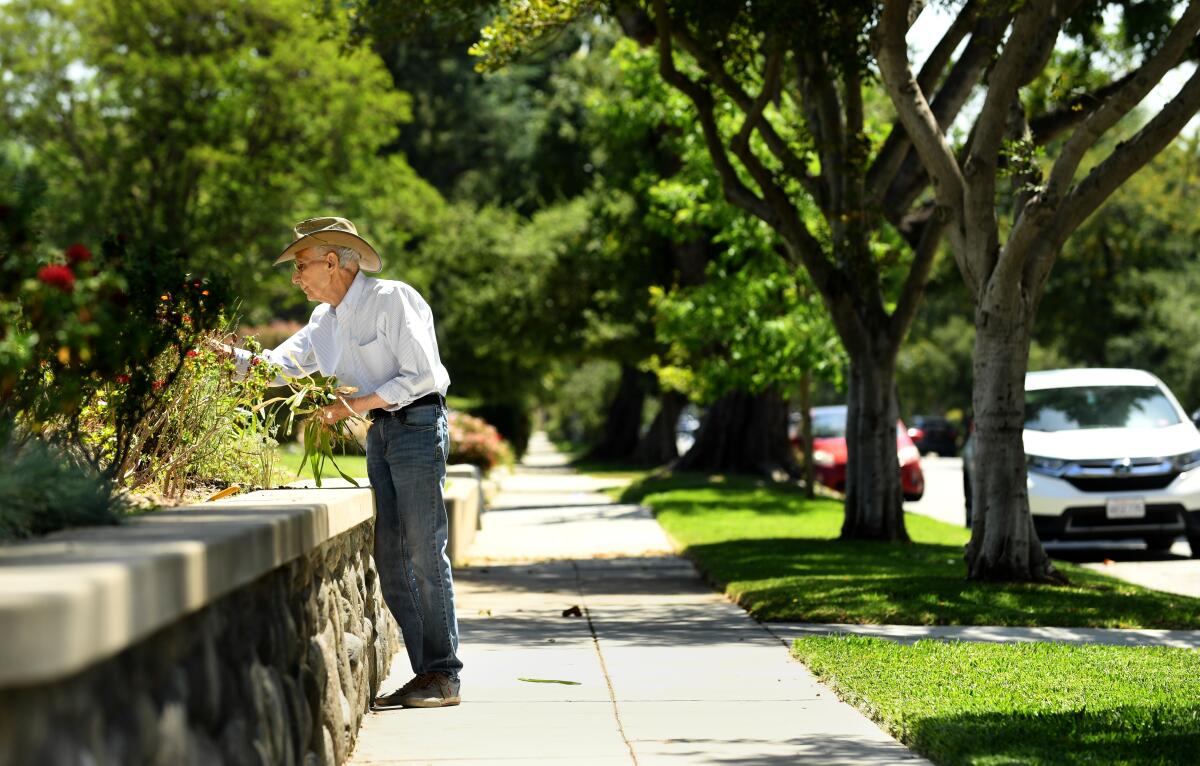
pixel 279 671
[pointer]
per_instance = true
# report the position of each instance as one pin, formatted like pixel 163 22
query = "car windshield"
pixel 829 424
pixel 1070 409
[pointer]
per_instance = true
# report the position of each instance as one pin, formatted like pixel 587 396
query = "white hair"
pixel 347 256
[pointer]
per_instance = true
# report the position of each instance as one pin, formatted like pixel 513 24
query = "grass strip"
pixel 1037 703
pixel 287 469
pixel 776 553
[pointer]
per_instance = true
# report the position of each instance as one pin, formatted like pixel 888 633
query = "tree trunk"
pixel 743 433
pixel 658 445
pixel 624 421
pixel 1004 544
pixel 874 502
pixel 806 435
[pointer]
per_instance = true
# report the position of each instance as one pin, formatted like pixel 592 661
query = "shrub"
pixel 208 430
pixel 91 341
pixel 42 490
pixel 473 440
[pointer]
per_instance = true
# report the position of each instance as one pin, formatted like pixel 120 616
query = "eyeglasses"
pixel 301 266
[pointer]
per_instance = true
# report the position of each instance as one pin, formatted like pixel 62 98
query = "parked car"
pixel 686 428
pixel 932 433
pixel 829 452
pixel 1109 454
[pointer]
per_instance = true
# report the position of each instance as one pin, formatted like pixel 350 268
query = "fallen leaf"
pixel 549 681
pixel 1109 562
pixel 232 489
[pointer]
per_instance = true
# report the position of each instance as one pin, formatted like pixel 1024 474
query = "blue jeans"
pixel 406 462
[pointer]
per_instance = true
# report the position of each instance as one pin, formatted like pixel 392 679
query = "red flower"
pixel 77 253
pixel 158 384
pixel 186 319
pixel 192 353
pixel 122 379
pixel 57 276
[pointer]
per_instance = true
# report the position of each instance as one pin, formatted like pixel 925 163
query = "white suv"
pixel 1110 454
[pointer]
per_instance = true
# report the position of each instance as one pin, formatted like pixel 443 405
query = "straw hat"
pixel 337 232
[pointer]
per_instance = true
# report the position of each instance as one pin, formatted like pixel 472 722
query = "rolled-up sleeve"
pixel 295 356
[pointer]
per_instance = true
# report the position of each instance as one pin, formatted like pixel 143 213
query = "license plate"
pixel 1126 508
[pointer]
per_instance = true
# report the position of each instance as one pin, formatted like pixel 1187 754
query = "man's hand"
pixel 332 414
pixel 218 346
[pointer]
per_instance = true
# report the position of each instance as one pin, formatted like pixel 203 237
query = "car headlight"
pixel 1050 466
pixel 823 457
pixel 1187 461
pixel 908 455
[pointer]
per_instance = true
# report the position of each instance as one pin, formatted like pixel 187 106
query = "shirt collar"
pixel 350 299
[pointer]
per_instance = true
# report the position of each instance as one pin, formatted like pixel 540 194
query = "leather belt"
pixel 425 401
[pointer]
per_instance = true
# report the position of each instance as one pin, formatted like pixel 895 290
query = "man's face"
pixel 313 272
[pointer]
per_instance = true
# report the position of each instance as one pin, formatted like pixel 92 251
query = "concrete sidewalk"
pixel 657 668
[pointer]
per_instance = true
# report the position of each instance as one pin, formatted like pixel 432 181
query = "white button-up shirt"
pixel 379 339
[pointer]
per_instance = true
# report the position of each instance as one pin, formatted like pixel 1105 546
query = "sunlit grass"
pixel 778 555
pixel 1037 703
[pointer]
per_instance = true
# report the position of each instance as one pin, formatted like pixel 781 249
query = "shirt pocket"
pixel 376 360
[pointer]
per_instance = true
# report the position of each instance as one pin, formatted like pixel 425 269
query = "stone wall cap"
pixel 76 597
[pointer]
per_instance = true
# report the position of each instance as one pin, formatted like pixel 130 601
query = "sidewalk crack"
pixel 612 695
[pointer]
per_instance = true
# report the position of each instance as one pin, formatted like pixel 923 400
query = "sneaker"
pixel 425 690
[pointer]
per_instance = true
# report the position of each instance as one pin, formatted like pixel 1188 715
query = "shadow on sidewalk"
pixel 656 602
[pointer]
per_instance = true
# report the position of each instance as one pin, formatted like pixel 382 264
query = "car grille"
pixel 1165 515
pixel 1121 483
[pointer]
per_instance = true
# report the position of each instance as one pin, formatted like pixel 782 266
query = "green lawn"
pixel 775 552
pixel 288 468
pixel 961 703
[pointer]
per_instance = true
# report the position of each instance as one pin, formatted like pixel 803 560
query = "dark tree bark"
pixel 806 436
pixel 1004 544
pixel 624 421
pixel 874 499
pixel 743 433
pixel 657 447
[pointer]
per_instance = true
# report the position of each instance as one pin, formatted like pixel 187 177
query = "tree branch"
pixel 735 191
pixel 715 69
pixel 915 114
pixel 823 112
pixel 897 179
pixel 1129 157
pixel 754 115
pixel 1145 77
pixel 1029 44
pixel 1050 125
pixel 918 277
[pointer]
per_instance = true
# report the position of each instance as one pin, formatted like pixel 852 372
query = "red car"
pixel 829 452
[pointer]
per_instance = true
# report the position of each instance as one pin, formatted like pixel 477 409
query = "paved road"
pixel 1174 571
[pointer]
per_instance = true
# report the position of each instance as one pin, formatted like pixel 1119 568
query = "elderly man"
pixel 377 336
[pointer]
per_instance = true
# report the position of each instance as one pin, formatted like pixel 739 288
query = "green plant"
pixel 308 395
pixel 206 430
pixel 85 330
pixel 42 489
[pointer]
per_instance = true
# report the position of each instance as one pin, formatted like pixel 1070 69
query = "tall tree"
pixel 780 92
pixel 1009 217
pixel 204 125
